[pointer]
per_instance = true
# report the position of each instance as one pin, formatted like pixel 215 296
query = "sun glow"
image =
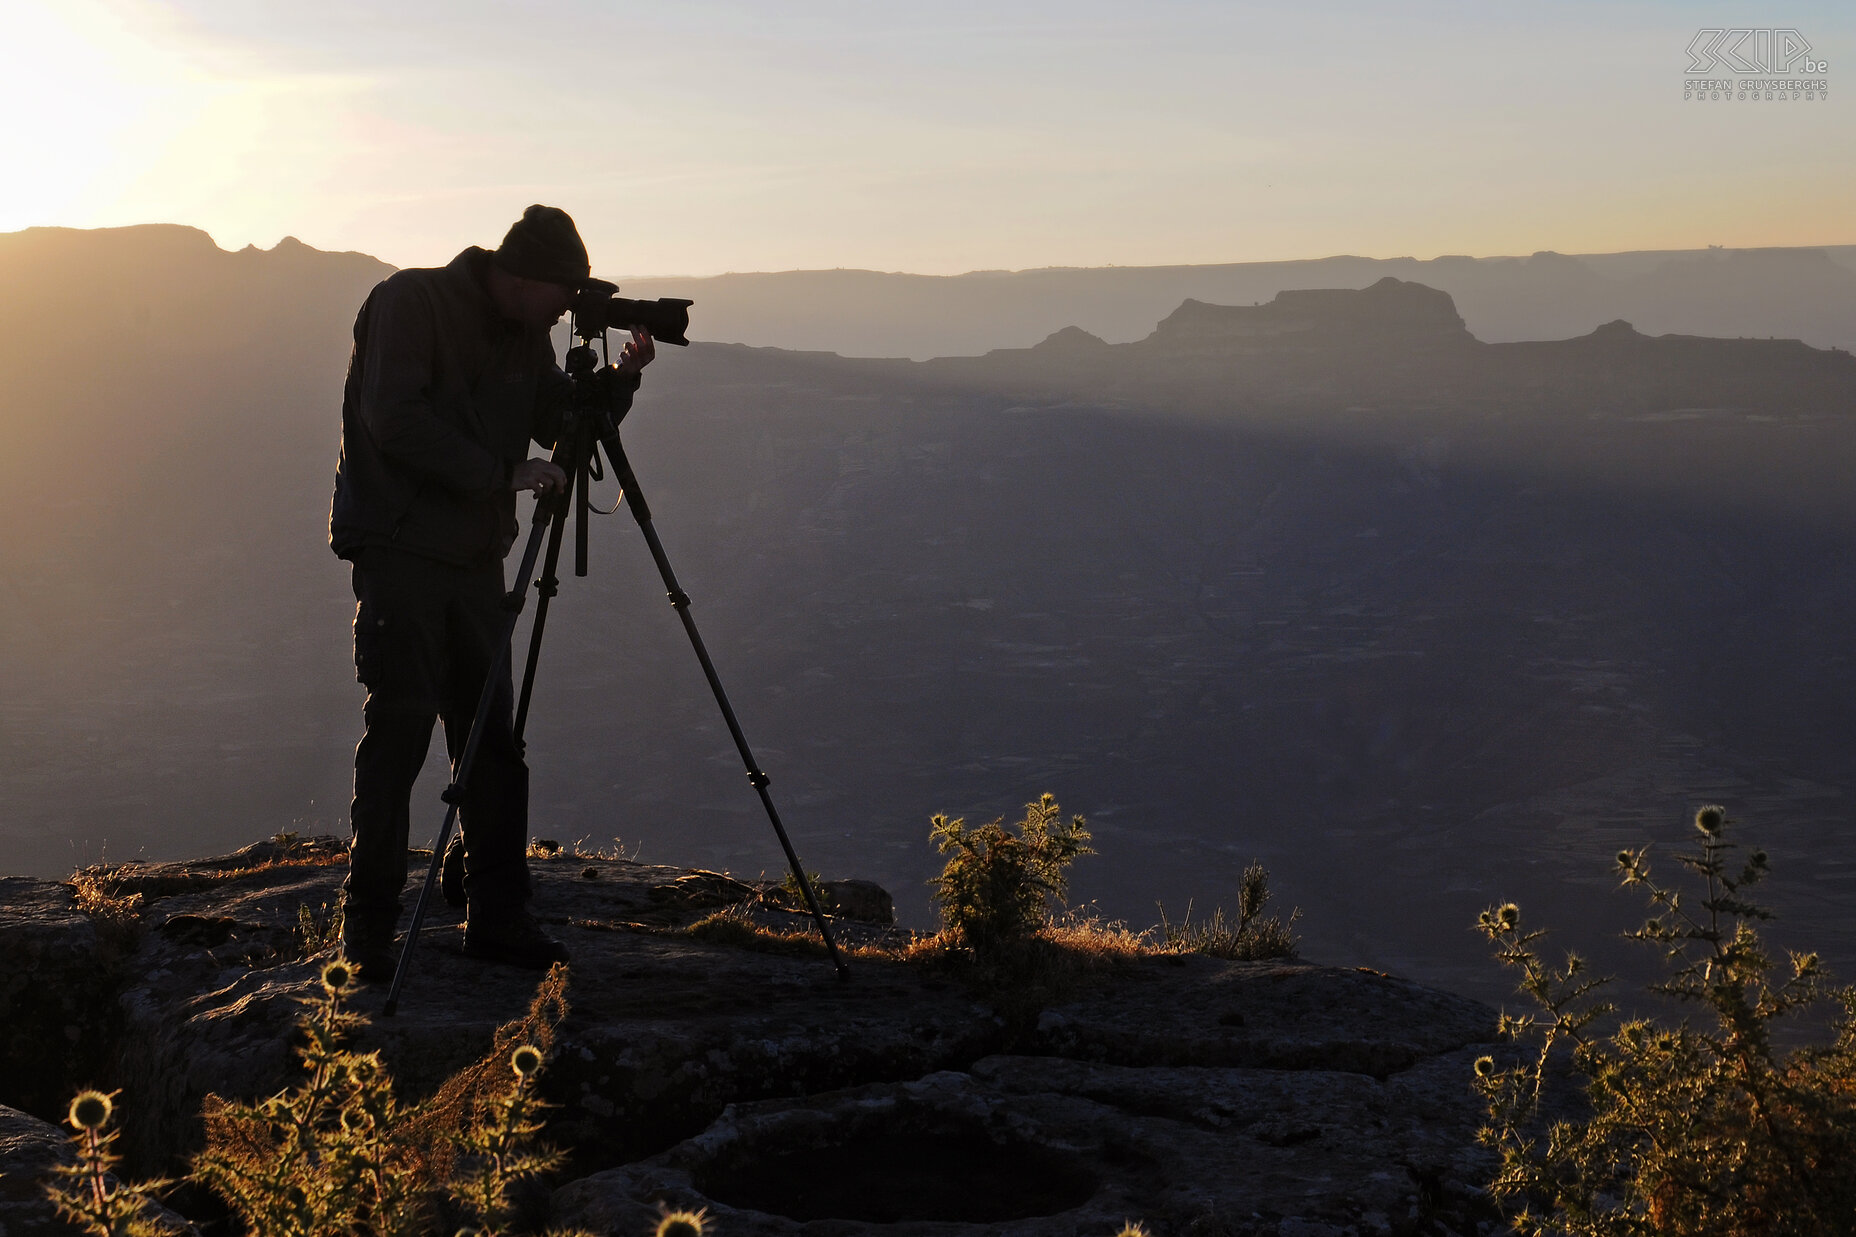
pixel 82 101
pixel 116 116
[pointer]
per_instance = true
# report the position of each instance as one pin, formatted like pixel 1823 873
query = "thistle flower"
pixel 336 977
pixel 90 1110
pixel 1710 819
pixel 1485 1067
pixel 364 1069
pixel 1509 916
pixel 681 1224
pixel 525 1061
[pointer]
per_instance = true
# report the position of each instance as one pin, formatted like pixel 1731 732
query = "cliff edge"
pixel 1200 1095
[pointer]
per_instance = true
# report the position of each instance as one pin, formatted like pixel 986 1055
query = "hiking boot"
pixel 512 937
pixel 367 943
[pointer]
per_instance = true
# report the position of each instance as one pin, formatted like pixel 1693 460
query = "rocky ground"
pixel 1201 1096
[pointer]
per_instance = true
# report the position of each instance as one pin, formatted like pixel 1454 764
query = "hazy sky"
pixel 700 137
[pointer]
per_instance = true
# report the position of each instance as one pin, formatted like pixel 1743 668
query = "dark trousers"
pixel 425 636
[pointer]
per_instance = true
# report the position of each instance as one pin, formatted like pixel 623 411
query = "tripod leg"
pixel 451 882
pixel 547 587
pixel 454 793
pixel 634 498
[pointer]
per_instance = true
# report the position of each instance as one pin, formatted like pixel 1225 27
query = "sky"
pixel 704 137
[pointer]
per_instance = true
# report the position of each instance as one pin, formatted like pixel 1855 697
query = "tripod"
pixel 588 424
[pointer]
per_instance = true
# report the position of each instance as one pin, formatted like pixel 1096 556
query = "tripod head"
pixel 602 395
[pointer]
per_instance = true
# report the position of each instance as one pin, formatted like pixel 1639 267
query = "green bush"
pixel 1683 1129
pixel 1000 881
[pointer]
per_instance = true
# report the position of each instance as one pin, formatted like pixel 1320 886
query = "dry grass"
pixel 1254 941
pixel 736 930
pixel 115 896
pixel 116 915
pixel 736 927
pixel 614 851
pixel 1106 942
pixel 103 900
pixel 109 883
pixel 1020 979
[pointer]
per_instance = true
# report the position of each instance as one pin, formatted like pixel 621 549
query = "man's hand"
pixel 542 476
pixel 637 354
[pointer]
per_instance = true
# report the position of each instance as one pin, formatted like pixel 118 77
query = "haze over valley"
pixel 1422 585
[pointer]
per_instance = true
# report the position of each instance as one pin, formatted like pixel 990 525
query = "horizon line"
pixel 985 271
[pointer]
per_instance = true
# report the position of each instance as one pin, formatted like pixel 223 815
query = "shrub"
pixel 1684 1130
pixel 1000 881
pixel 1252 938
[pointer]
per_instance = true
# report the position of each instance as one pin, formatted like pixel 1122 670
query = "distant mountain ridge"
pixel 1804 293
pixel 1797 293
pixel 1389 310
pixel 1396 344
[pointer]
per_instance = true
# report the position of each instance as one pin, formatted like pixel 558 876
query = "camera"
pixel 597 308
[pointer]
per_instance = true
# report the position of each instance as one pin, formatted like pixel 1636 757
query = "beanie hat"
pixel 544 245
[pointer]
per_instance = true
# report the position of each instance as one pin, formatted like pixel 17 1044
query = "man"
pixel 452 375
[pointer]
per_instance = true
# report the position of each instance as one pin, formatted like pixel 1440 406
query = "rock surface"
pixel 1204 1096
pixel 55 1016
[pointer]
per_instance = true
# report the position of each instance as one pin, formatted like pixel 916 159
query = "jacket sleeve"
pixel 395 397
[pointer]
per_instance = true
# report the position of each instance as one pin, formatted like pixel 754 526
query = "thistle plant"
pixel 1252 938
pixel 85 1194
pixel 338 1155
pixel 1686 1129
pixel 332 1155
pixel 1000 882
pixel 319 929
pixel 682 1224
pixel 498 1150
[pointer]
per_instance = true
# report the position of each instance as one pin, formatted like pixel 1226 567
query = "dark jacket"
pixel 442 398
